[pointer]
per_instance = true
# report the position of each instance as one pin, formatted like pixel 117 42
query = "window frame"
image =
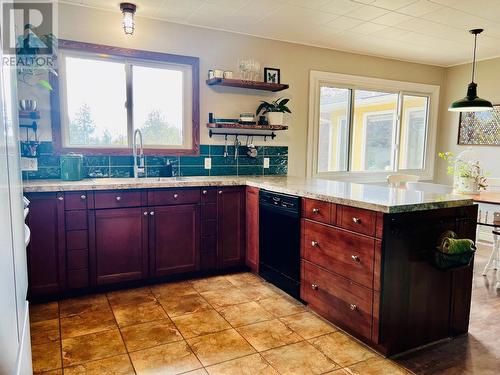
pixel 125 55
pixel 318 79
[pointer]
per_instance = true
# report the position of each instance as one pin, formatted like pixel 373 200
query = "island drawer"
pixel 357 219
pixel 117 199
pixel 338 299
pixel 321 211
pixel 339 251
pixel 173 196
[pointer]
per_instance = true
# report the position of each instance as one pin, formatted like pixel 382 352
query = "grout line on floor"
pixel 234 328
pixel 121 335
pixel 183 338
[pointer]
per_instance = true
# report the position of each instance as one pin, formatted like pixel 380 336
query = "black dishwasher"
pixel 279 228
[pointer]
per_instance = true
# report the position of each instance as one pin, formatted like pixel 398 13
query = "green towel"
pixel 457 246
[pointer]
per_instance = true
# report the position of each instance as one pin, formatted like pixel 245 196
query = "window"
pixel 108 93
pixel 364 127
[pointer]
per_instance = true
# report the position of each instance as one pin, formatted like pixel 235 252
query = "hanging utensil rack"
pixel 266 131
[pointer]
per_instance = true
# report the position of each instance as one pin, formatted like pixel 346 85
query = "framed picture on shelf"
pixel 271 75
pixel 480 128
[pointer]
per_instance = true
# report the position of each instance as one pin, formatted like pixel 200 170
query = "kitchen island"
pixel 366 251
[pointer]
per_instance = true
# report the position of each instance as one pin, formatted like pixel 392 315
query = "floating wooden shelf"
pixel 255 85
pixel 246 127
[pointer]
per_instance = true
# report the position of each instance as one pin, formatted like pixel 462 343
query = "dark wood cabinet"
pixel 46 251
pixel 118 245
pixel 84 239
pixel 252 228
pixel 231 227
pixel 174 239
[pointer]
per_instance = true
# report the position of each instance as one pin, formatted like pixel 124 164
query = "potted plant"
pixel 468 176
pixel 274 111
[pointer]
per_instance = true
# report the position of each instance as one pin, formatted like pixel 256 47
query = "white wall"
pixel 217 49
pixel 457 79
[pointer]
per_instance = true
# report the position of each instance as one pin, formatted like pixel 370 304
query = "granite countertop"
pixel 372 197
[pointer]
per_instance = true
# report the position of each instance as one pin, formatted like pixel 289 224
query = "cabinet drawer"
pixel 173 196
pixel 209 195
pixel 117 199
pixel 209 244
pixel 78 279
pixel 76 240
pixel 209 211
pixel 209 228
pixel 357 219
pixel 319 211
pixel 78 259
pixel 340 251
pixel 208 261
pixel 76 220
pixel 338 299
pixel 75 200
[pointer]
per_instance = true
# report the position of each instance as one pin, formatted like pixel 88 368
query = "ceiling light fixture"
pixel 472 103
pixel 128 10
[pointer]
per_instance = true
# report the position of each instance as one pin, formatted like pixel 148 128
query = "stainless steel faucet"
pixel 139 169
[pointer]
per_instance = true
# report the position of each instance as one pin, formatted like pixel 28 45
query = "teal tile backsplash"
pixel 121 166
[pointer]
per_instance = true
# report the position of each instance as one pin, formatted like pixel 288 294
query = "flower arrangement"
pixel 469 176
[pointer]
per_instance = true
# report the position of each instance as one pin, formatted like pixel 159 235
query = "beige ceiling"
pixel 426 31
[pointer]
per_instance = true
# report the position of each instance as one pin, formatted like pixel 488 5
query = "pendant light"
pixel 128 11
pixel 472 103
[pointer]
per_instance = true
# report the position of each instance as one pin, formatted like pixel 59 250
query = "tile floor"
pixel 235 324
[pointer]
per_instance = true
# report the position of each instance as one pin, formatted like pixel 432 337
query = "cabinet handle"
pixel 145 213
pixel 314 286
pixel 355 258
pixel 60 198
pixel 314 244
pixel 220 191
pixel 315 210
pixel 204 192
pixel 353 307
pixel 176 196
pixel 118 198
pixel 83 197
pixel 356 220
pixel 152 213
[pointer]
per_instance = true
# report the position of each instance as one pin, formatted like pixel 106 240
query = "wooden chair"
pixel 396 180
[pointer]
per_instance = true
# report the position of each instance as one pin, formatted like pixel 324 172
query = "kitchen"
pixel 248 226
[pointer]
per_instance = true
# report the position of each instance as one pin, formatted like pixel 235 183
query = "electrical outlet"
pixel 266 162
pixel 29 164
pixel 208 163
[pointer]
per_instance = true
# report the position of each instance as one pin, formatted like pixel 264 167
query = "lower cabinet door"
pixel 174 239
pixel 46 250
pixel 118 245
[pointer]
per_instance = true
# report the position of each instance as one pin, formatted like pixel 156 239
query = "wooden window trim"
pixel 194 62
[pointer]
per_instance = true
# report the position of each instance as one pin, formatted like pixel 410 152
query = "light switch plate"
pixel 208 163
pixel 29 164
pixel 266 162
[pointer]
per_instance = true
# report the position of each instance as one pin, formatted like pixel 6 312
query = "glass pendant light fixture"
pixel 128 11
pixel 472 103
